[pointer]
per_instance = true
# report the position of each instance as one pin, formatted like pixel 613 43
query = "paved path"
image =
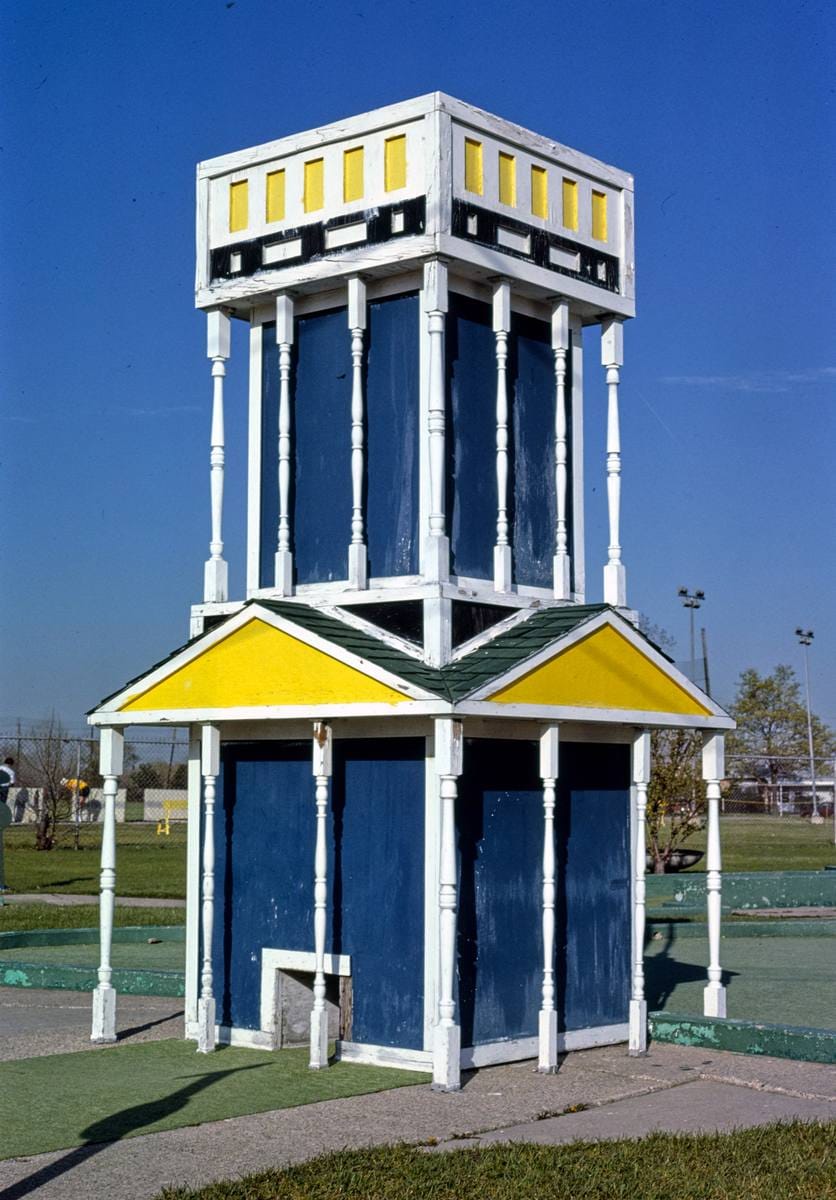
pixel 676 1088
pixel 63 899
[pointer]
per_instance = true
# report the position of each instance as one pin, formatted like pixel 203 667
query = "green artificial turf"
pixel 779 980
pixel 770 844
pixel 140 956
pixel 66 1100
pixel 777 1162
pixel 17 918
pixel 146 864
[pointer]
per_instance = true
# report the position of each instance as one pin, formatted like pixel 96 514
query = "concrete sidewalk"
pixel 672 1088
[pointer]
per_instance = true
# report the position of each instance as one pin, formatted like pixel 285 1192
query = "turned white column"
pixel 549 753
pixel 215 574
pixel 322 770
pixel 111 753
pixel 284 342
pixel 637 1041
pixel 436 543
pixel 502 561
pixel 612 357
pixel 446 1033
pixel 210 765
pixel 713 769
pixel 560 349
pixel 357 554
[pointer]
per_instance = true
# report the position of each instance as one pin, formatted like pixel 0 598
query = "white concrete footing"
pixel 104 1014
pixel 714 1000
pixel 447 1044
pixel 319 1040
pixel 205 1025
pixel 547 1040
pixel 637 1039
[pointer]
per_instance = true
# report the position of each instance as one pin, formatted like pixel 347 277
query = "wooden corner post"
pixel 322 771
pixel 446 1033
pixel 111 757
pixel 547 1041
pixel 210 766
pixel 215 578
pixel 637 1042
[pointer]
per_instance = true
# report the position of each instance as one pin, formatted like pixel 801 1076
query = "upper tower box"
pixel 390 187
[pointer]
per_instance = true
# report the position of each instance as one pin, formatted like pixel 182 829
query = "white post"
pixel 193 883
pixel 322 771
pixel 549 753
pixel 284 341
pixel 501 328
pixel 446 1033
pixel 612 357
pixel 637 1043
pixel 436 544
pixel 215 582
pixel 111 755
pixel 713 769
pixel 210 765
pixel 560 348
pixel 357 554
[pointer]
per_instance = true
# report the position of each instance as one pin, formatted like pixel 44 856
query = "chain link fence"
pixel 778 786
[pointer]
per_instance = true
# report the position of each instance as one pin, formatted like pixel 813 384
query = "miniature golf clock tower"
pixel 420 755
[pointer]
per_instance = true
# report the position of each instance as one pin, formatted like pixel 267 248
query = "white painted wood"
pixel 248 1039
pixel 215 576
pixel 273 961
pixel 489 1054
pixel 193 880
pixel 210 749
pixel 560 348
pixel 447 1034
pixel 502 554
pixel 111 756
pixel 612 357
pixel 638 1007
pixel 284 342
pixel 357 556
pixel 578 496
pixel 714 994
pixel 432 863
pixel 437 546
pixel 384 1056
pixel 254 479
pixel 549 756
pixel 322 769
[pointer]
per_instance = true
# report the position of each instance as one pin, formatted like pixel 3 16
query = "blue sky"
pixel 723 112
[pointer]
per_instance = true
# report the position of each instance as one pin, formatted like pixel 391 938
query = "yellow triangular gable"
pixel 258 665
pixel 603 670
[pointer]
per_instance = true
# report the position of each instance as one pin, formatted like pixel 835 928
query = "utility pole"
pixel 805 637
pixel 691 601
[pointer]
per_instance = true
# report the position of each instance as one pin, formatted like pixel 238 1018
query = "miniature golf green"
pixel 122 1091
pixel 142 956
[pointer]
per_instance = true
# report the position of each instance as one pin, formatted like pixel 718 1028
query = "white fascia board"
pixel 323 135
pixel 630 634
pixel 479 118
pixel 560 713
pixel 273 712
pixel 242 617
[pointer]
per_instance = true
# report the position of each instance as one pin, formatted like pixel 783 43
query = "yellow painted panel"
pixel 275 196
pixel 507 179
pixel 473 175
pixel 599 216
pixel 539 192
pixel 570 204
pixel 260 665
pixel 239 204
pixel 394 163
pixel 602 671
pixel 314 194
pixel 353 174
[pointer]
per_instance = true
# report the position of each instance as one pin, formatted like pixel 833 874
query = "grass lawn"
pixel 789 1162
pixel 130 1090
pixel 17 918
pixel 146 865
pixel 771 844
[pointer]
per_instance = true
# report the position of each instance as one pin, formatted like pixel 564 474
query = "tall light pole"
pixel 805 637
pixel 691 600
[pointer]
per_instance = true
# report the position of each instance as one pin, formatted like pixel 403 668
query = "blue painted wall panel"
pixel 532 387
pixel 392 418
pixel 322 447
pixel 500 828
pixel 269 456
pixel 265 834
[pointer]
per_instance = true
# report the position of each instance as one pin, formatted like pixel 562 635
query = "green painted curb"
pixel 744 889
pixel 19 973
pixel 748 927
pixel 745 1037
pixel 82 937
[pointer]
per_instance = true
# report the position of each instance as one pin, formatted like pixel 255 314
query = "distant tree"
pixel 676 800
pixel 772 725
pixel 50 759
pixel 657 634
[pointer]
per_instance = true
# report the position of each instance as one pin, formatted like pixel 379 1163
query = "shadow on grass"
pixel 99 1135
pixel 663 973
